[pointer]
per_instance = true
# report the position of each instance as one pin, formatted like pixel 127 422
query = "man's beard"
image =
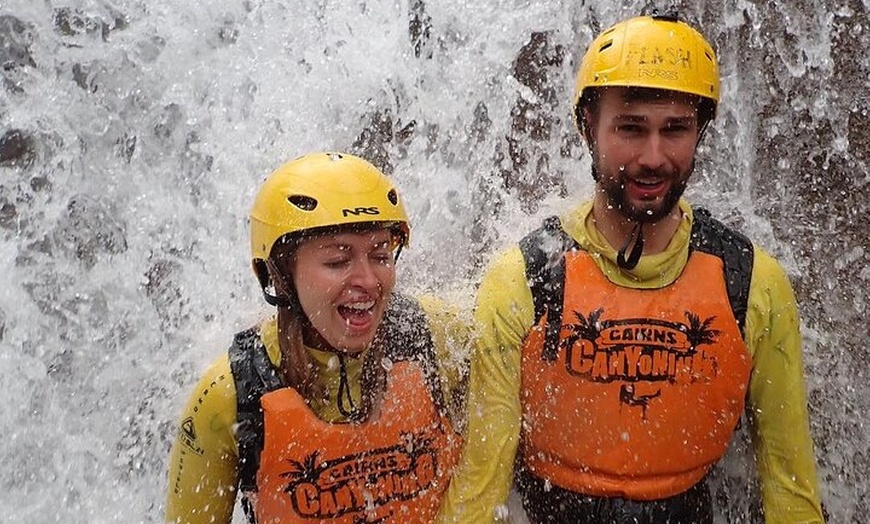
pixel 648 212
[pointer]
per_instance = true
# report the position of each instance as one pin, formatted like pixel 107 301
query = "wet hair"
pixel 288 243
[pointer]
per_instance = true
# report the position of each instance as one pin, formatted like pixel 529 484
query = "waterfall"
pixel 134 134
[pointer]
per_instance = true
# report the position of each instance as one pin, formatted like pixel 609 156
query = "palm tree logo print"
pixel 699 332
pixel 638 353
pixel 586 328
pixel 306 471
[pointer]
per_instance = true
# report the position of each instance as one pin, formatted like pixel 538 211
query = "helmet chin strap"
pixel 270 291
pixel 278 301
pixel 636 250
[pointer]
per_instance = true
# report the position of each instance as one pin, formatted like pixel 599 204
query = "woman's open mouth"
pixel 357 314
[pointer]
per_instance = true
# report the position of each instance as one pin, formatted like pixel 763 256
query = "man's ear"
pixel 590 121
pixel 589 125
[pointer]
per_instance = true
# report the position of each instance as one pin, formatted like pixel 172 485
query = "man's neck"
pixel 617 228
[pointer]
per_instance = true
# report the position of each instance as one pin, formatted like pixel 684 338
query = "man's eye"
pixel 336 263
pixel 629 128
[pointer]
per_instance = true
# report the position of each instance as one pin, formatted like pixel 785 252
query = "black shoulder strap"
pixel 544 253
pixel 715 238
pixel 406 335
pixel 254 376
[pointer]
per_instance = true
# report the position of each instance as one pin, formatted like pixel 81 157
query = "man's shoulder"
pixel 767 270
pixel 705 225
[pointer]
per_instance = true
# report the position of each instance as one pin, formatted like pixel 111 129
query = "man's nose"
pixel 653 154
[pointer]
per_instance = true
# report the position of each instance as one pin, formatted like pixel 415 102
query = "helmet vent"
pixel 305 203
pixel 393 197
pixel 605 45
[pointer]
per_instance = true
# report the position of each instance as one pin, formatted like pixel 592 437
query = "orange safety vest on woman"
pixel 393 467
pixel 646 388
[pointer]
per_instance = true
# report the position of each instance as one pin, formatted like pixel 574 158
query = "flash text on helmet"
pixel 658 56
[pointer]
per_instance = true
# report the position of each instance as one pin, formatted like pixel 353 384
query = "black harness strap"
pixel 736 252
pixel 405 332
pixel 254 376
pixel 544 253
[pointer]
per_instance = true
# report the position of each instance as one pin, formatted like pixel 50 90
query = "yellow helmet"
pixel 659 52
pixel 322 190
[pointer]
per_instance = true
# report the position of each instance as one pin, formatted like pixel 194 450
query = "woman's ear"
pixel 281 281
pixel 277 288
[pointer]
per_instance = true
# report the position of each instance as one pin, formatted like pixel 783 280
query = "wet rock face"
pixel 374 140
pixel 811 180
pixel 524 160
pixel 162 287
pixel 8 213
pixel 91 228
pixel 17 147
pixel 536 66
pixel 16 37
pixel 419 29
pixel 73 22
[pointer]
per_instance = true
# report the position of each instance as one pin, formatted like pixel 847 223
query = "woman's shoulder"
pixel 216 382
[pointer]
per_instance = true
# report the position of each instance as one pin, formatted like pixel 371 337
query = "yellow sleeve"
pixel 204 457
pixel 450 326
pixel 503 315
pixel 777 399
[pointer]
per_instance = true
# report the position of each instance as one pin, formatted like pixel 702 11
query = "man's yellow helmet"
pixel 323 190
pixel 658 52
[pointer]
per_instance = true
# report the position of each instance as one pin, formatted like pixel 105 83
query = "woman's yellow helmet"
pixel 657 52
pixel 322 190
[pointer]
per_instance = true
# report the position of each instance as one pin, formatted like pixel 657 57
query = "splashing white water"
pixel 147 127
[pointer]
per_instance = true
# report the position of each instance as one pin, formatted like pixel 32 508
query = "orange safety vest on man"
pixel 646 388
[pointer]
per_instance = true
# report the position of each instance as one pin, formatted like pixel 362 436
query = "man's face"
pixel 643 151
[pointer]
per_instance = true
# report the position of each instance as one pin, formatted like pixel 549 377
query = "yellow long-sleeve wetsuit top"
pixel 776 397
pixel 202 484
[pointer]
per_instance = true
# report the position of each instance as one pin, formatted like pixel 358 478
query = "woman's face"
pixel 343 282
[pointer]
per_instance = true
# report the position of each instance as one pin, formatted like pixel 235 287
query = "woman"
pixel 336 409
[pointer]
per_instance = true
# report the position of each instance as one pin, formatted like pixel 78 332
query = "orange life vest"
pixel 394 467
pixel 647 387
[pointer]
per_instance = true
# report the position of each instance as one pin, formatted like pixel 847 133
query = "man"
pixel 620 344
